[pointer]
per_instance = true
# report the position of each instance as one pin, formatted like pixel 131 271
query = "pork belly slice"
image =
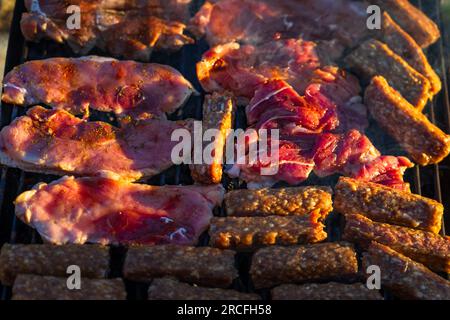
pixel 107 211
pixel 405 278
pixel 128 29
pixel 426 247
pixel 56 142
pixel 301 201
pixel 172 289
pixel 424 31
pixel 255 21
pixel 218 113
pixel 374 58
pixel 424 142
pixel 387 205
pixel 126 88
pixel 52 260
pixel 249 233
pixel 204 266
pixel 277 265
pixel 405 46
pixel 325 291
pixel 32 287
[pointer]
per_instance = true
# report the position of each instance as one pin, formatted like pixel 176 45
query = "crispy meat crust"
pixel 32 287
pixel 425 143
pixel 405 278
pixel 319 262
pixel 218 113
pixel 52 260
pixel 384 204
pixel 425 247
pixel 328 291
pixel 405 46
pixel 373 58
pixel 203 266
pixel 412 20
pixel 171 289
pixel 252 232
pixel 281 202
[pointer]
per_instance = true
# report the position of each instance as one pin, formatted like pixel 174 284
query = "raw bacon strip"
pixel 248 233
pixel 106 211
pixel 126 88
pixel 203 266
pixel 171 289
pixel 425 247
pixel 302 201
pixel 128 29
pixel 318 262
pixel 405 278
pixel 327 291
pixel 425 142
pixel 56 142
pixel 32 287
pixel 387 205
pixel 52 260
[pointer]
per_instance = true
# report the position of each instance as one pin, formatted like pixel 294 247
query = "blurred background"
pixel 7 7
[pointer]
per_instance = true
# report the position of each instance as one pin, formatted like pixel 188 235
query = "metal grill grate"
pixel 433 181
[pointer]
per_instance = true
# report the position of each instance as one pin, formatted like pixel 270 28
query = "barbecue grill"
pixel 432 181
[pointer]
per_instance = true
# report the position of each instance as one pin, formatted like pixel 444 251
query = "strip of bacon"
pixel 106 211
pixel 56 142
pixel 126 88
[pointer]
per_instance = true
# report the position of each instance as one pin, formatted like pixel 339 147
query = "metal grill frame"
pixel 432 181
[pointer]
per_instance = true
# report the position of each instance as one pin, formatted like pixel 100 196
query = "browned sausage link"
pixel 373 58
pixel 384 204
pixel 327 291
pixel 52 260
pixel 405 278
pixel 218 113
pixel 32 287
pixel 424 142
pixel 426 247
pixel 273 266
pixel 203 266
pixel 171 289
pixel 252 232
pixel 281 202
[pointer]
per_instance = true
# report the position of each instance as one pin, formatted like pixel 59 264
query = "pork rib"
pixel 106 211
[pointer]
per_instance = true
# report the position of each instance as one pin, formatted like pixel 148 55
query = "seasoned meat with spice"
pixel 128 29
pixel 247 233
pixel 128 89
pixel 57 142
pixel 218 114
pixel 171 289
pixel 426 247
pixel 107 211
pixel 318 262
pixel 384 204
pixel 374 58
pixel 203 266
pixel 52 260
pixel 32 287
pixel 327 291
pixel 425 142
pixel 405 278
pixel 302 201
pixel 412 20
